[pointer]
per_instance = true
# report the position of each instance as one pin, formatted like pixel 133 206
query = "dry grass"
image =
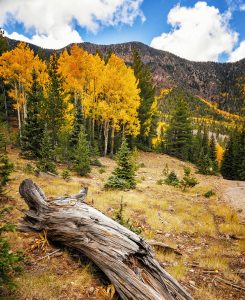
pixel 184 219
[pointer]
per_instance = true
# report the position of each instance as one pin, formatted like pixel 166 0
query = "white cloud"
pixel 242 7
pixel 52 21
pixel 199 33
pixel 238 53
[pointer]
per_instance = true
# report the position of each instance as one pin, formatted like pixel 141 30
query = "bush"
pixel 66 175
pixel 29 169
pixel 6 167
pixel 118 217
pixel 188 180
pixel 172 179
pixel 209 194
pixel 10 262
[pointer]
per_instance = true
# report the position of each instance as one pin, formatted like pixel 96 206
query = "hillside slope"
pixel 217 82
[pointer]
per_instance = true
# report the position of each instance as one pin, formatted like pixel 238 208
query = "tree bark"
pixel 125 258
pixel 106 133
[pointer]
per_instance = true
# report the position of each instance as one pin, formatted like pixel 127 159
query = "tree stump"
pixel 125 258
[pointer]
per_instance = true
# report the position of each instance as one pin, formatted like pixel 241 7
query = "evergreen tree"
pixel 32 130
pixel 56 105
pixel 76 127
pixel 228 166
pixel 241 155
pixel 205 144
pixel 146 114
pixel 196 146
pixel 123 177
pixel 82 154
pixel 213 155
pixel 179 132
pixel 46 154
pixel 6 168
pixel 204 164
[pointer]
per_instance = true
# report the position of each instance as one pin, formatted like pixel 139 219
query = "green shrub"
pixel 118 217
pixel 66 175
pixel 172 179
pixel 188 181
pixel 209 194
pixel 6 167
pixel 29 169
pixel 10 263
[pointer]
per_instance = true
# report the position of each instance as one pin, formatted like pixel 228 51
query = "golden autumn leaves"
pixel 107 92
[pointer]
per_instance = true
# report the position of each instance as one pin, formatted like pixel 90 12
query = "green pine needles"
pixel 46 156
pixel 123 177
pixel 82 154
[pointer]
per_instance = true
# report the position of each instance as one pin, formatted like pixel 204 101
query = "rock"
pixel 91 290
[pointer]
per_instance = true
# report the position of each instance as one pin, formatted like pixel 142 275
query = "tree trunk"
pixel 112 139
pixel 125 258
pixel 106 132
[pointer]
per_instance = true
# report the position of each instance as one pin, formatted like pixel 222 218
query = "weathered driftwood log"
pixel 125 258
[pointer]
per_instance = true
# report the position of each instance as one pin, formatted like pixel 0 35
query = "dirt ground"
pixel 234 194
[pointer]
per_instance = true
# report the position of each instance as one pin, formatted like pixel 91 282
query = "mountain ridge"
pixel 214 81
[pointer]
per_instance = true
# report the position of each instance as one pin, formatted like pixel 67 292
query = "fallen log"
pixel 125 258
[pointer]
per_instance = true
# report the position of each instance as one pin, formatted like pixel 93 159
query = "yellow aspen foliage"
pixel 219 153
pixel 16 68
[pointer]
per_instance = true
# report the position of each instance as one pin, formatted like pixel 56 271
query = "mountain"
pixel 219 83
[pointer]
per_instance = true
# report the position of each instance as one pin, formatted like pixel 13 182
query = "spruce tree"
pixel 76 127
pixel 147 117
pixel 241 155
pixel 228 166
pixel 6 167
pixel 32 131
pixel 196 146
pixel 213 155
pixel 123 177
pixel 46 154
pixel 179 132
pixel 82 154
pixel 56 105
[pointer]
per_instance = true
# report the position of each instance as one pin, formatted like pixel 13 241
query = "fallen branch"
pixel 163 246
pixel 238 287
pixel 48 255
pixel 125 258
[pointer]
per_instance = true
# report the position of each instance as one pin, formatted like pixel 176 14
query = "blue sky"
pixel 196 30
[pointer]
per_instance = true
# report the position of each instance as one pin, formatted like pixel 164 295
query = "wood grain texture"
pixel 125 258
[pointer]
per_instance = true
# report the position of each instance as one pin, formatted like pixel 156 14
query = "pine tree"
pixel 147 117
pixel 55 105
pixel 241 155
pixel 228 166
pixel 123 177
pixel 32 131
pixel 205 145
pixel 82 154
pixel 213 155
pixel 76 127
pixel 196 146
pixel 46 154
pixel 179 132
pixel 6 167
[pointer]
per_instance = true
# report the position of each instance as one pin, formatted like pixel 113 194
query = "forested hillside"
pixel 219 83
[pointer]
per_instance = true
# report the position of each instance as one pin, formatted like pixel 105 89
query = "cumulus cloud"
pixel 53 21
pixel 238 53
pixel 199 33
pixel 242 7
